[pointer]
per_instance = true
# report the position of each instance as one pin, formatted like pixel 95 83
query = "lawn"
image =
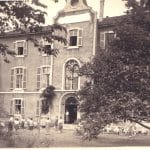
pixel 68 138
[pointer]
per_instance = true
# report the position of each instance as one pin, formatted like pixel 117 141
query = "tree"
pixel 26 18
pixel 47 96
pixel 119 85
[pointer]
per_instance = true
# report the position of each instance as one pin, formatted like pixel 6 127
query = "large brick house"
pixel 29 72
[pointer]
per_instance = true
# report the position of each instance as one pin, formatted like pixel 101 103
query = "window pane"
pixel 45 80
pixel 80 33
pixel 75 83
pixel 18 106
pixel 68 84
pixel 17 70
pixel 20 44
pixel 21 70
pixel 71 32
pixel 75 32
pixel 20 50
pixel 108 39
pixel 73 41
pixel 46 70
pixel 19 81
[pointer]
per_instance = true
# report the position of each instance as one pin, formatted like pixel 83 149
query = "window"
pixel 47 46
pixel 43 77
pixel 17 106
pixel 18 78
pixel 20 48
pixel 106 38
pixel 75 37
pixel 71 75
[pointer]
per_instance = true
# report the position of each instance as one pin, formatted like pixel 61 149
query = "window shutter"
pixel 22 107
pixel 15 48
pixel 12 79
pixel 25 47
pixel 11 107
pixel 68 39
pixel 38 78
pixel 80 32
pixel 102 40
pixel 24 78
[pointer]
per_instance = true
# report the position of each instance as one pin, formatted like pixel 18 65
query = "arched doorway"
pixel 70 110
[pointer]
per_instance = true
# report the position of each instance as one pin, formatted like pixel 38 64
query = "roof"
pixel 43 30
pixel 111 21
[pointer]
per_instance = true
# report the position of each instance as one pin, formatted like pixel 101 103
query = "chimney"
pixel 101 11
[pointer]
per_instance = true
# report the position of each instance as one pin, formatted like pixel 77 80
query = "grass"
pixel 32 139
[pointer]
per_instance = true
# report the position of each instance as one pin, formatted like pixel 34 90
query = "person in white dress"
pixel 60 125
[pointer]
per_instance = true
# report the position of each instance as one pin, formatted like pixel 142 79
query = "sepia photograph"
pixel 75 74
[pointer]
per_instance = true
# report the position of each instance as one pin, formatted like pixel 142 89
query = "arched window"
pixel 71 75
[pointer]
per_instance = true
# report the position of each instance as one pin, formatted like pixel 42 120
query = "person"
pixel 16 124
pixel 48 121
pixel 60 125
pixel 22 124
pixel 43 122
pixel 67 116
pixel 26 124
pixel 10 125
pixel 31 124
pixel 132 130
pixel 35 124
pixel 56 123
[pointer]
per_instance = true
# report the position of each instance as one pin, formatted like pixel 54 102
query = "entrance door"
pixel 70 110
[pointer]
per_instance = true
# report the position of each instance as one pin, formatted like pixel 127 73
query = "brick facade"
pixel 34 59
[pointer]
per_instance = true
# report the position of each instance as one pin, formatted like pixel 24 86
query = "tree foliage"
pixel 25 18
pixel 119 87
pixel 47 96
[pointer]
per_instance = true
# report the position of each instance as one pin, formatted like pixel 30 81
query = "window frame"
pixel 40 75
pixel 72 81
pixel 24 48
pixel 13 106
pixel 104 40
pixel 44 43
pixel 78 37
pixel 13 78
